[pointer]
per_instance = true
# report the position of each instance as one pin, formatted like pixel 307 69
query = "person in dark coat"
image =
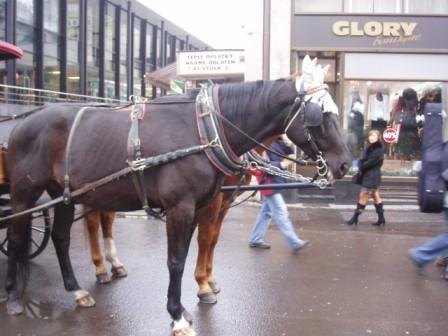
pixel 370 171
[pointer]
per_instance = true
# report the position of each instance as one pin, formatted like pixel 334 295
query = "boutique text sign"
pixel 210 63
pixel 369 33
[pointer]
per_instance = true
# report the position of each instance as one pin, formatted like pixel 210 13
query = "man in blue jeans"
pixel 274 205
pixel 422 255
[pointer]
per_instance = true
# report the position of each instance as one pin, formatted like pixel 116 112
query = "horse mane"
pixel 235 98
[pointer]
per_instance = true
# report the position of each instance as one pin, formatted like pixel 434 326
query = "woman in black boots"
pixel 370 170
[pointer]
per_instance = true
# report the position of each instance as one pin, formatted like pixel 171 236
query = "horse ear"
pixel 306 63
pixel 314 61
pixel 326 68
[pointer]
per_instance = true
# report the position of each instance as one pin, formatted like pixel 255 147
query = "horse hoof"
pixel 14 307
pixel 86 301
pixel 208 298
pixel 187 331
pixel 214 286
pixel 119 272
pixel 103 278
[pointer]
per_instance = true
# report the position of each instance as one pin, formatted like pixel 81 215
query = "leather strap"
pixel 135 151
pixel 66 197
pixel 211 129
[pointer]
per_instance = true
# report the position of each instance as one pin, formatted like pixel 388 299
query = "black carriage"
pixel 41 222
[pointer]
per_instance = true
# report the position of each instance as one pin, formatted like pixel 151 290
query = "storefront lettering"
pixel 374 28
pixel 382 41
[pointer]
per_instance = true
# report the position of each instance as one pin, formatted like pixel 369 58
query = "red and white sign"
pixel 390 135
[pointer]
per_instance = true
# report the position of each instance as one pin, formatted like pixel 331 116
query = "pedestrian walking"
pixel 273 204
pixel 369 177
pixel 433 249
pixel 438 246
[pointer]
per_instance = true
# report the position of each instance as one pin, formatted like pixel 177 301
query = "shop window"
pixel 73 46
pixel 395 109
pixel 138 62
pixel 25 77
pixel 26 25
pixel 372 6
pixel 159 47
pixel 426 7
pixel 72 77
pixel 123 55
pixel 308 6
pixel 148 54
pixel 51 46
pixel 92 82
pixel 2 20
pixel 93 34
pixel 109 51
pixel 52 74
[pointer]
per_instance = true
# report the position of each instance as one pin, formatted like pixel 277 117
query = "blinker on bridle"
pixel 298 109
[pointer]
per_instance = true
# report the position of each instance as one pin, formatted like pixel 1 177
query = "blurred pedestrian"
pixel 438 246
pixel 370 178
pixel 273 204
pixel 431 250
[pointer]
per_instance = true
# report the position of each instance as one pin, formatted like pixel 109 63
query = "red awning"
pixel 9 51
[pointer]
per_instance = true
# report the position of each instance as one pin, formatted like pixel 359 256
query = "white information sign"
pixel 211 63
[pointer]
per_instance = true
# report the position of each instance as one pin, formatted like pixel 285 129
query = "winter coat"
pixel 370 165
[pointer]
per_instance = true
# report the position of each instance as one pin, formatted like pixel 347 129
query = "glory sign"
pixel 374 28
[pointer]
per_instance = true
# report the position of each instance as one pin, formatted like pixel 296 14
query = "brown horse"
pixel 94 219
pixel 38 159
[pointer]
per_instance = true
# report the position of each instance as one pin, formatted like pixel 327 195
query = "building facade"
pixel 386 57
pixel 100 48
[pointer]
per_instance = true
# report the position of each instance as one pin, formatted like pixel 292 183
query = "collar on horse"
pixel 211 130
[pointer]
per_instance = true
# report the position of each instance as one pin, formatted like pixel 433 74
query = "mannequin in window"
pixel 409 144
pixel 356 126
pixel 378 111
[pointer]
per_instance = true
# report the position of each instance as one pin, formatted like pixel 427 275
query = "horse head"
pixel 314 127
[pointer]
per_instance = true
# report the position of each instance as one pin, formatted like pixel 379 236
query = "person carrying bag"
pixel 369 177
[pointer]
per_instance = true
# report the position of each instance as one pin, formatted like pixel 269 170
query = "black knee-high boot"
pixel 354 219
pixel 380 211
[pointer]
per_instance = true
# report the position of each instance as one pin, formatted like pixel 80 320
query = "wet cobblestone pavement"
pixel 349 282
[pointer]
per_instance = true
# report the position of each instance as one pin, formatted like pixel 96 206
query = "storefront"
pixel 384 68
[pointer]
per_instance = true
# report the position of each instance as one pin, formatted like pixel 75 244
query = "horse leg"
pixel 63 220
pixel 216 229
pixel 118 270
pixel 207 221
pixel 180 226
pixel 93 226
pixel 19 243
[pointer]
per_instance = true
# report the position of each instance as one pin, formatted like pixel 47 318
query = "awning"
pixel 161 77
pixel 9 51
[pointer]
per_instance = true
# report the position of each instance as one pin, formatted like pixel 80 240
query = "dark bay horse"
pixel 37 164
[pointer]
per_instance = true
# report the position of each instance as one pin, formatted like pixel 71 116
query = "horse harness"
pixel 213 142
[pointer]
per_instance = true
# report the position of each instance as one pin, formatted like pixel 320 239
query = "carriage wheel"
pixel 40 234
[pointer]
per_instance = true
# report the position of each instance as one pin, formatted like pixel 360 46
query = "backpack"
pixel 431 186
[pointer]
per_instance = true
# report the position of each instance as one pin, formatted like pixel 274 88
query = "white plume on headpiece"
pixel 313 76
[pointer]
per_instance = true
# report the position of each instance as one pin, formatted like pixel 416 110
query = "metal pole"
pixel 274 186
pixel 266 38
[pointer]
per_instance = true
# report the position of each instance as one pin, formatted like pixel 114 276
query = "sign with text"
pixel 211 63
pixel 390 135
pixel 370 33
